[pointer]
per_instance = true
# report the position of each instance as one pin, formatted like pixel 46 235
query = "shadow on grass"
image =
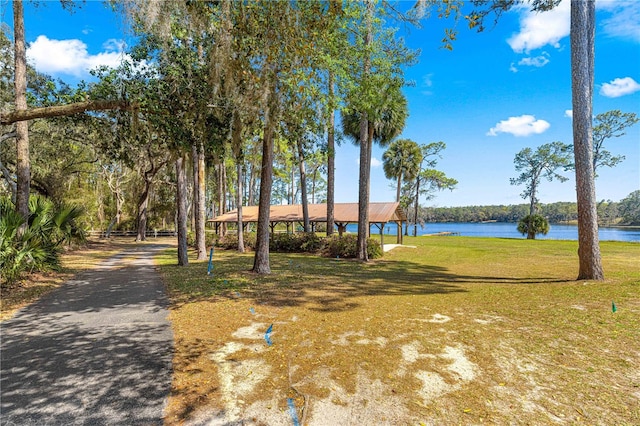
pixel 330 284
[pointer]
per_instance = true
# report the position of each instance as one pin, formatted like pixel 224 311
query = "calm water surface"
pixel 508 230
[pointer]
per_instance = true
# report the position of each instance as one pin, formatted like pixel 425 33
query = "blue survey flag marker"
pixel 613 306
pixel 253 311
pixel 267 335
pixel 293 412
pixel 210 267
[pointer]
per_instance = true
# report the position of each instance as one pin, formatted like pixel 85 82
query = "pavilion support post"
pixel 399 224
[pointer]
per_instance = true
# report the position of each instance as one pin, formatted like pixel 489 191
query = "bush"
pixel 334 246
pixel 36 245
pixel 532 225
pixel 295 243
pixel 346 247
pixel 210 239
pixel 230 241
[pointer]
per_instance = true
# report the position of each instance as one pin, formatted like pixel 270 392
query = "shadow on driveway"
pixel 96 351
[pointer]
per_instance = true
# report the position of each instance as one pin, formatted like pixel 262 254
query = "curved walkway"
pixel 96 351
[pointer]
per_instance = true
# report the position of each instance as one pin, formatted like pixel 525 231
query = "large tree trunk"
pixel 398 189
pixel 531 234
pixel 331 158
pixel 23 164
pixel 261 259
pixel 365 156
pixel 199 199
pixel 303 188
pixel 582 68
pixel 181 201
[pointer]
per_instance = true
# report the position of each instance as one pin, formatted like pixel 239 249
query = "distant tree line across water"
pixel 610 213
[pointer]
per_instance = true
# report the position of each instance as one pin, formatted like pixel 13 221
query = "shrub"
pixel 374 249
pixel 191 238
pixel 284 242
pixel 346 246
pixel 36 244
pixel 311 242
pixel 230 241
pixel 295 243
pixel 210 239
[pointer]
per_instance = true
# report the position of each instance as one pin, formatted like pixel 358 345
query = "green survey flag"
pixel 613 306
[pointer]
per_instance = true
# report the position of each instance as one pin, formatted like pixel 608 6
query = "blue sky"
pixel 496 93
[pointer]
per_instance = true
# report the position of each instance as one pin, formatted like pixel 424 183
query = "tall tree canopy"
pixel 542 163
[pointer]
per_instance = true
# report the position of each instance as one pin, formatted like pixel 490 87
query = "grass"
pixel 458 330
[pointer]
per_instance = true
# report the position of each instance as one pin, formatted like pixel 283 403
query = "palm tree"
pixel 381 124
pixel 402 161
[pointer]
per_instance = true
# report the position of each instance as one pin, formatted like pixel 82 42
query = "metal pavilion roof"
pixel 343 213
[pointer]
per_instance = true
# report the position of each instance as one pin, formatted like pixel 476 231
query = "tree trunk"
pixel 252 183
pixel 23 164
pixel 201 220
pixel 416 206
pixel 261 259
pixel 531 234
pixel 303 187
pixel 239 208
pixel 236 141
pixel 582 68
pixel 181 201
pixel 222 230
pixel 143 203
pixel 398 189
pixel 119 204
pixel 331 158
pixel 313 185
pixel 198 199
pixel 365 156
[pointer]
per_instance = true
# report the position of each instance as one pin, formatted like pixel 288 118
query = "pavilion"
pixel 380 214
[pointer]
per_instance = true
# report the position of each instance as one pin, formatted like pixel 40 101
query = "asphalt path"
pixel 96 351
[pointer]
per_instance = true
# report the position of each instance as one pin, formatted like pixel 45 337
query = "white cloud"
pixel 427 82
pixel 619 87
pixel 524 125
pixel 374 162
pixel 538 29
pixel 624 19
pixel 568 113
pixel 71 56
pixel 513 68
pixel 536 61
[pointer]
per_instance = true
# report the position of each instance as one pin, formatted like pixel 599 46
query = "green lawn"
pixel 458 330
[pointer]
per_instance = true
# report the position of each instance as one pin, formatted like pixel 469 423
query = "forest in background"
pixel 610 213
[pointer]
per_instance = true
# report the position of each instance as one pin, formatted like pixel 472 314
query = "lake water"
pixel 507 230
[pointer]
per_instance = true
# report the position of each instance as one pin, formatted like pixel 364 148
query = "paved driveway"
pixel 96 351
